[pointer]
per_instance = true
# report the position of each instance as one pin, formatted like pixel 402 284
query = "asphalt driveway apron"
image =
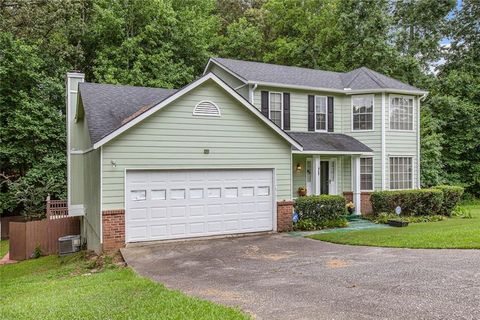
pixel 283 277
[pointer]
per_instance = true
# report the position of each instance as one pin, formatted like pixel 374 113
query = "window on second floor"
pixel 401 113
pixel 320 113
pixel 275 108
pixel 362 112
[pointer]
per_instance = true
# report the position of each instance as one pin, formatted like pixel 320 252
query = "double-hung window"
pixel 401 113
pixel 320 113
pixel 366 174
pixel 362 112
pixel 275 108
pixel 401 173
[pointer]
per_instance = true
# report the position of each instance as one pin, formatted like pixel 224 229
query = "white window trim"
pixel 315 113
pixel 390 97
pixel 373 112
pixel 281 106
pixel 390 170
pixel 373 175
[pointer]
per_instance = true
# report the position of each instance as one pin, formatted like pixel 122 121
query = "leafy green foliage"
pixel 166 43
pixel 451 198
pixel 149 43
pixel 384 217
pixel 311 225
pixel 320 208
pixel 413 202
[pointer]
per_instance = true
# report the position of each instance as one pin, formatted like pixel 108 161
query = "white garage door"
pixel 194 203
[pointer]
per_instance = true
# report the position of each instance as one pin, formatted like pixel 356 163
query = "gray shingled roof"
pixel 323 141
pixel 358 79
pixel 108 107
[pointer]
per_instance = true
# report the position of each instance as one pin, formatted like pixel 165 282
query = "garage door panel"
pixel 139 214
pixel 214 227
pixel 158 213
pixel 158 230
pixel 197 228
pixel 178 229
pixel 177 212
pixel 192 203
pixel 138 233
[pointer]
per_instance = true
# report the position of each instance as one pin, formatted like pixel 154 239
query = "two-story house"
pixel 227 153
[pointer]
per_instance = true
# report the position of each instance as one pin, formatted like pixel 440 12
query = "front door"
pixel 324 177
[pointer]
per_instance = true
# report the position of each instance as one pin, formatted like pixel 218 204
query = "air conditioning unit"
pixel 69 244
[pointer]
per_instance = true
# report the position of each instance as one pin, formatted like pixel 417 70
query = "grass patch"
pixel 3 248
pixel 65 288
pixel 455 233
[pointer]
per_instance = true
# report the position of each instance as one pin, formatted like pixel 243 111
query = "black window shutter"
pixel 286 111
pixel 311 113
pixel 330 114
pixel 264 103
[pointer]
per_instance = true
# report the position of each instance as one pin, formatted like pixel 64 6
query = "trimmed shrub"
pixel 320 208
pixel 421 202
pixel 383 218
pixel 451 198
pixel 310 225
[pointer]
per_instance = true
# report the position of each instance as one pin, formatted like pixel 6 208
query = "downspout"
pixel 252 93
pixel 418 141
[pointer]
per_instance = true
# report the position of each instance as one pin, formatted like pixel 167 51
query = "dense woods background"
pixel 432 44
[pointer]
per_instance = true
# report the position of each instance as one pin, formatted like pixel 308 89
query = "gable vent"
pixel 206 108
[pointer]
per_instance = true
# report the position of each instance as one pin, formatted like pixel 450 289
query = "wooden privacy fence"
pixel 25 236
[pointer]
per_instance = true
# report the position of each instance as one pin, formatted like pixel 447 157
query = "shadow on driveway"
pixel 283 277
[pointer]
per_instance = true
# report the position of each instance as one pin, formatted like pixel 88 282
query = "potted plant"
pixel 302 191
pixel 350 207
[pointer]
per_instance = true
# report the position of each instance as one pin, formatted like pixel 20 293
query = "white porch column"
pixel 316 174
pixel 356 184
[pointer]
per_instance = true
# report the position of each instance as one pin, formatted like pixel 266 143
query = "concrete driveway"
pixel 281 277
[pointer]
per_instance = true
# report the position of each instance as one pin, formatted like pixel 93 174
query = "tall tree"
pixel 158 43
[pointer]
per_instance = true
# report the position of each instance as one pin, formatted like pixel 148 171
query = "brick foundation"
pixel 366 204
pixel 284 216
pixel 113 223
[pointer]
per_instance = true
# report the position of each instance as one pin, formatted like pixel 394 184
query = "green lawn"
pixel 453 232
pixel 55 288
pixel 3 248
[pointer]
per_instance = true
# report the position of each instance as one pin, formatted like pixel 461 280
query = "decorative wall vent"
pixel 206 108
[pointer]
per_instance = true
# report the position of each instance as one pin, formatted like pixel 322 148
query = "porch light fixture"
pixel 114 163
pixel 299 167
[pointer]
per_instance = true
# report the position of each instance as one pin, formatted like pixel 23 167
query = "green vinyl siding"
pixel 400 143
pixel 173 138
pixel 298 177
pixel 91 185
pixel 229 79
pixel 372 139
pixel 346 177
pixel 298 104
pixel 76 179
pixel 343 172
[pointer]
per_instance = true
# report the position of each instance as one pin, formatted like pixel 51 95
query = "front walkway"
pixel 356 223
pixel 283 277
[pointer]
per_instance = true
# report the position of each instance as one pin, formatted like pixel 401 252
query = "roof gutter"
pixel 312 152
